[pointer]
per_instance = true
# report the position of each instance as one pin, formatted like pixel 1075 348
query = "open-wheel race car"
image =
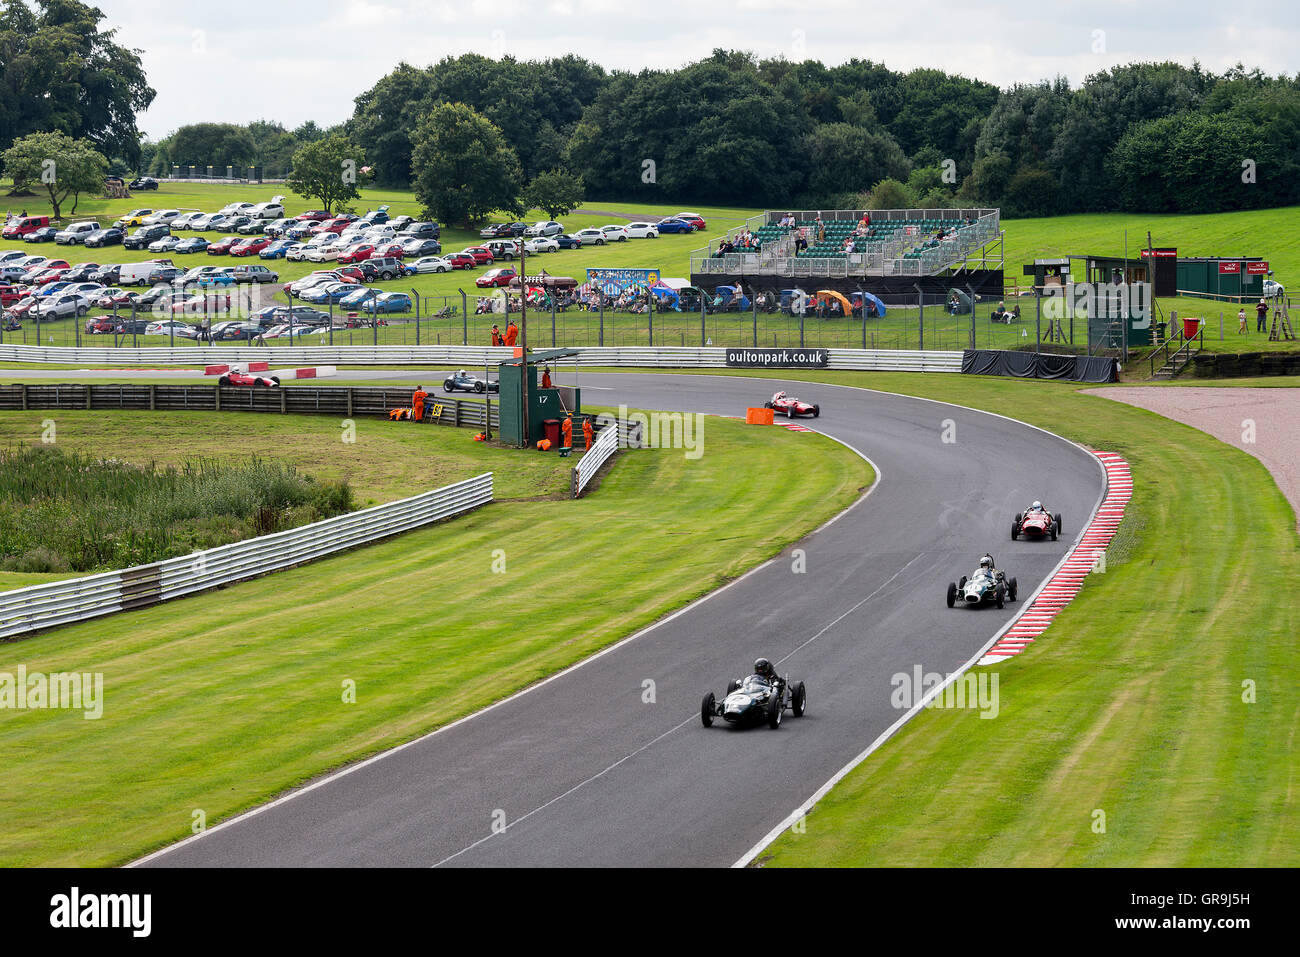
pixel 1036 522
pixel 987 585
pixel 762 697
pixel 462 381
pixel 790 406
pixel 237 376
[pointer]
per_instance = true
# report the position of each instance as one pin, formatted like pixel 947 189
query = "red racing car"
pixel 791 406
pixel 1036 522
pixel 237 376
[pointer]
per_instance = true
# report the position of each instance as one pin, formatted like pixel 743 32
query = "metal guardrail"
pixel 305 400
pixel 666 357
pixel 596 456
pixel 38 607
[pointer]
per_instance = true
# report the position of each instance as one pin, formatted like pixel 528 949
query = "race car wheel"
pixel 478 387
pixel 961 582
pixel 952 594
pixel 1053 531
pixel 707 707
pixel 732 685
pixel 447 386
pixel 767 405
pixel 775 710
pixel 817 411
pixel 1012 589
pixel 799 700
pixel 258 383
pixel 276 380
pixel 1000 600
pixel 224 380
pixel 1015 531
pixel 1058 523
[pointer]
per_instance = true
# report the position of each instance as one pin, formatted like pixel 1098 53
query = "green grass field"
pixel 1131 703
pixel 221 701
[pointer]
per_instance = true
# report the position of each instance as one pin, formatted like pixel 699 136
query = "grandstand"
pixel 888 252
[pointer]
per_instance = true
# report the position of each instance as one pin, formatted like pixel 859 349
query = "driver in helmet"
pixel 986 567
pixel 778 396
pixel 460 373
pixel 1036 507
pixel 763 668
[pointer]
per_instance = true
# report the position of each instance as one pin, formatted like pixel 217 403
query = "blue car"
pixel 356 297
pixel 328 292
pixel 217 279
pixel 277 249
pixel 194 244
pixel 389 302
pixel 672 225
pixel 301 231
pixel 566 241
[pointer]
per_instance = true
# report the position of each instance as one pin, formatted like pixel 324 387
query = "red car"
pixel 336 225
pixel 482 255
pixel 47 276
pixel 237 376
pixel 391 251
pixel 461 260
pixel 357 254
pixel 250 247
pixel 496 277
pixel 10 295
pixel 790 406
pixel 317 214
pixel 115 297
pixel 100 325
pixel 694 219
pixel 222 246
pixel 1036 522
pixel 350 274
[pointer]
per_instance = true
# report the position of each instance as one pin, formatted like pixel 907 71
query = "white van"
pixel 135 274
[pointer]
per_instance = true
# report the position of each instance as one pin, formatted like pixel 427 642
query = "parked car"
pixel 250 247
pixel 303 229
pixel 504 248
pixel 415 248
pixel 546 228
pixel 23 225
pixel 388 302
pixel 357 253
pixel 265 211
pixel 566 241
pixel 461 260
pixel 614 233
pixel 254 272
pixel 142 237
pixel 186 220
pixel 278 249
pixel 481 254
pixel 65 306
pixel 75 233
pixel 382 267
pixel 422 229
pixel 10 294
pixel 312 214
pixel 671 224
pixel 112 236
pixel 541 244
pixel 144 182
pixel 695 219
pixel 642 230
pixel 162 216
pixel 428 264
pixel 327 292
pixel 191 244
pixel 496 277
pixel 45 234
pixel 167 244
pixel 223 246
pixel 276 227
pixel 134 218
pixel 81 272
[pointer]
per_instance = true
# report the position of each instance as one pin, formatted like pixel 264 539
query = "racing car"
pixel 987 585
pixel 753 700
pixel 1036 522
pixel 237 376
pixel 791 406
pixel 462 381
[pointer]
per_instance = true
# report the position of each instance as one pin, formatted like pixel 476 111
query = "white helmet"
pixel 779 395
pixel 986 562
pixel 1037 505
pixel 237 369
pixel 461 372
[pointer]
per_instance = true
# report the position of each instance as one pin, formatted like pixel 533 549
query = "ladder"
pixel 1281 328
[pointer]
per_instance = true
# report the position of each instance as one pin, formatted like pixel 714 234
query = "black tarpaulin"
pixel 1039 365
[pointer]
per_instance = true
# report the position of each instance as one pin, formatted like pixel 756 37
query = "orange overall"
pixel 512 333
pixel 417 405
pixel 587 432
pixel 566 428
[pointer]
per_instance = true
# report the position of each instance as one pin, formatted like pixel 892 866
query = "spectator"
pixel 954 304
pixel 821 229
pixel 512 333
pixel 1241 321
pixel 1261 316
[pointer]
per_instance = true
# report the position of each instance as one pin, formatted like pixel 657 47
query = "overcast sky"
pixel 293 60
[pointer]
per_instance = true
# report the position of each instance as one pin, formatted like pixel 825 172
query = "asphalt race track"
pixel 582 772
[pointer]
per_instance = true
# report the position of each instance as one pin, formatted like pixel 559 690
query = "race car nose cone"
pixel 972 598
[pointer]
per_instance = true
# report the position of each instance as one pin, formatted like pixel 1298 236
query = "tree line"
pixel 473 135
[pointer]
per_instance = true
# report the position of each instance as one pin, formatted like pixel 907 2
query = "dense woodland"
pixel 729 129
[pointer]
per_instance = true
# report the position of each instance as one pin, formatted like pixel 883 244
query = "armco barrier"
pixel 668 357
pixel 56 603
pixel 609 441
pixel 208 397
